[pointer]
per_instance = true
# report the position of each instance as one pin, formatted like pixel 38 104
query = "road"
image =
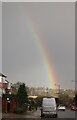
pixel 36 114
pixel 66 114
pixel 61 114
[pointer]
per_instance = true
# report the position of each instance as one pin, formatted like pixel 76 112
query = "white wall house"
pixel 3 84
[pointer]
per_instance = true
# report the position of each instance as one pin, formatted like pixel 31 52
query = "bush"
pixel 18 110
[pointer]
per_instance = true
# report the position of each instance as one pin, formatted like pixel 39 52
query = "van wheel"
pixel 42 115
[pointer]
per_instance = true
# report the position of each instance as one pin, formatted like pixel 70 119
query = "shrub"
pixel 18 110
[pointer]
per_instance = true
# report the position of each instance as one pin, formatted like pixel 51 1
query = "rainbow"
pixel 42 50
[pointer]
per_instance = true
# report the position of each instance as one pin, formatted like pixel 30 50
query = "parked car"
pixel 49 107
pixel 73 108
pixel 61 108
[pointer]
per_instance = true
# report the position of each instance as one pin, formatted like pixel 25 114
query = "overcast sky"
pixel 21 59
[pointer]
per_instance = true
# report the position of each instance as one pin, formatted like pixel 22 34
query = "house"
pixel 3 84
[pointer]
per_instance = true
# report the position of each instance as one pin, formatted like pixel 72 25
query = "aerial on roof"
pixel 3 75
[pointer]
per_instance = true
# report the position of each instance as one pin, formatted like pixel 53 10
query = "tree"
pixel 22 96
pixel 64 99
pixel 39 100
pixel 76 100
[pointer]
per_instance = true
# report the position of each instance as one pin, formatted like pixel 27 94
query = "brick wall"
pixel 13 105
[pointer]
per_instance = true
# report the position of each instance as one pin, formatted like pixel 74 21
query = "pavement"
pixel 0 115
pixel 28 114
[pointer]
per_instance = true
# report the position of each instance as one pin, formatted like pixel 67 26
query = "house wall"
pixel 13 105
pixel 4 105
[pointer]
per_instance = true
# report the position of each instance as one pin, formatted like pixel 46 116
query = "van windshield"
pixel 49 102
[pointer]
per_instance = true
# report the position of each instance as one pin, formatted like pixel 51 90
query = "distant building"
pixel 41 91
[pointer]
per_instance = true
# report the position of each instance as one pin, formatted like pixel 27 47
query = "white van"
pixel 49 107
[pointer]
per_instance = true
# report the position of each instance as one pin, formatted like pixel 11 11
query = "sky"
pixel 23 25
